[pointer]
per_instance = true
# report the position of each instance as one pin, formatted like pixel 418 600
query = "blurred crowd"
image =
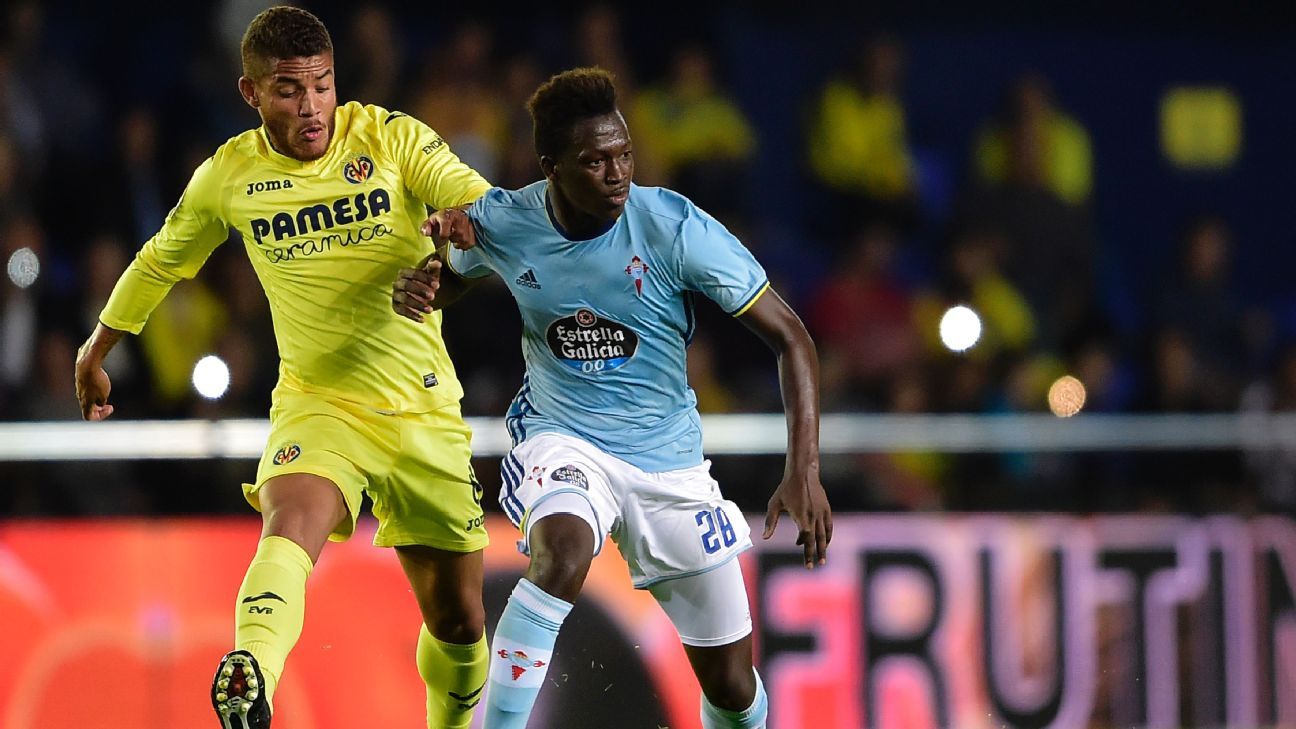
pixel 89 167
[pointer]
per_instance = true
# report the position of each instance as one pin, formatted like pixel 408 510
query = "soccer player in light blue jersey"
pixel 606 434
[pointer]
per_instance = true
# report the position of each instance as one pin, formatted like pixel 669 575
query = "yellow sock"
pixel 455 675
pixel 272 606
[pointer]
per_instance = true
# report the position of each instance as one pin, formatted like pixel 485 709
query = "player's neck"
pixel 571 223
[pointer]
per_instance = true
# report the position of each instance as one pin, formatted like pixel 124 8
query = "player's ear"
pixel 548 165
pixel 247 88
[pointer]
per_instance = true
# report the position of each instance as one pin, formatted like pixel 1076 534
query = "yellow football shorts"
pixel 415 467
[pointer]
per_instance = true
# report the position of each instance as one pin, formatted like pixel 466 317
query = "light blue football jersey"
pixel 606 321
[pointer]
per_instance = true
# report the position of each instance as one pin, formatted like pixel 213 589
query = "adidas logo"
pixel 528 279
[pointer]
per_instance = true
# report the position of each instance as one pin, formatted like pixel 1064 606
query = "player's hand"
pixel 450 225
pixel 92 388
pixel 804 499
pixel 415 289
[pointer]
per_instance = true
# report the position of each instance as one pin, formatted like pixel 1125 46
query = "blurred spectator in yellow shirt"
pixel 692 135
pixel 858 145
pixel 1059 157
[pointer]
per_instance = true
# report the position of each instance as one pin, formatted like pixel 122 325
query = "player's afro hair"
pixel 282 32
pixel 565 99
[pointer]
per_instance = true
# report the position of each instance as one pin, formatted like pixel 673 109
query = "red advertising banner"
pixel 917 622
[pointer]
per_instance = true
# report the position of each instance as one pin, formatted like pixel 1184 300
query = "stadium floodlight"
pixel 211 377
pixel 23 267
pixel 960 328
pixel 1066 396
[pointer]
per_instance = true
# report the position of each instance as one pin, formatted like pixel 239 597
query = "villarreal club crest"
pixel 358 169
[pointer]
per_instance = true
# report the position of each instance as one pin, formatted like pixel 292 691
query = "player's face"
pixel 594 173
pixel 296 100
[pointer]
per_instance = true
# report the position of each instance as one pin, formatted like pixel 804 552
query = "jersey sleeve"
pixel 191 231
pixel 431 171
pixel 474 262
pixel 712 261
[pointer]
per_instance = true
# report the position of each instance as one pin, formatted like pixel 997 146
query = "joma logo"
pixel 255 187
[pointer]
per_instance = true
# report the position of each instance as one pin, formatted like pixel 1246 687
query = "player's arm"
pixel 192 230
pixel 432 172
pixel 800 494
pixel 431 286
pixel 92 383
pixel 434 284
pixel 711 260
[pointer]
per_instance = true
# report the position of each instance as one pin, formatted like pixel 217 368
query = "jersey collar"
pixel 553 220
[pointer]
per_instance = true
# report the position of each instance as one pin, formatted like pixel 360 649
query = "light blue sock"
pixel 753 717
pixel 520 654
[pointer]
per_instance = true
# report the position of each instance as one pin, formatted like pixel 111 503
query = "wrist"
pixel 86 360
pixel 92 353
pixel 807 466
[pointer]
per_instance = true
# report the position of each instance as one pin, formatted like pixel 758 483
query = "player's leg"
pixel 733 696
pixel 567 502
pixel 429 508
pixel 682 541
pixel 299 510
pixel 306 491
pixel 710 612
pixel 452 654
pixel 562 548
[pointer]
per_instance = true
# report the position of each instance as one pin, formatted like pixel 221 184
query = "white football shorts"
pixel 666 525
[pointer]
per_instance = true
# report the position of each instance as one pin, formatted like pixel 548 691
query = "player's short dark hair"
pixel 565 99
pixel 282 32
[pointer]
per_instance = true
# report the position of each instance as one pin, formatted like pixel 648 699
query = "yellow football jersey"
pixel 326 239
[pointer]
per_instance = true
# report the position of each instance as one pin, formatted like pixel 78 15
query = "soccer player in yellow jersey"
pixel 329 201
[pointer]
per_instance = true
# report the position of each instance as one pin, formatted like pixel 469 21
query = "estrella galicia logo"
pixel 358 169
pixel 570 474
pixel 589 343
pixel 287 454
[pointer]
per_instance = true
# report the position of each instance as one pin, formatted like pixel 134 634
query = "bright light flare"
pixel 960 329
pixel 1066 396
pixel 23 267
pixel 211 377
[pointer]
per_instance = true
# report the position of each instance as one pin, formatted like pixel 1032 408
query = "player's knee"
pixel 302 511
pixel 562 547
pixel 461 629
pixel 560 575
pixel 729 686
pixel 461 620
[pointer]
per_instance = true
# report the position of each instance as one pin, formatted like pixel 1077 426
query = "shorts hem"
pixel 353 510
pixel 715 642
pixel 525 527
pixel 649 582
pixel 409 540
